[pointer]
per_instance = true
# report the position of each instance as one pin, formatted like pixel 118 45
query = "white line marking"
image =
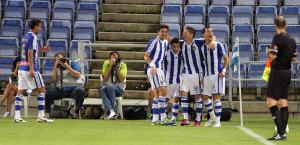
pixel 256 136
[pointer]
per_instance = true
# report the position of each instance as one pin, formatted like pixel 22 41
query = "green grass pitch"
pixel 127 132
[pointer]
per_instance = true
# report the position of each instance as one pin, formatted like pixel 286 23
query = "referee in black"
pixel 282 52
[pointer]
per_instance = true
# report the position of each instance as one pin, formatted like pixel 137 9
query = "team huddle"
pixel 178 67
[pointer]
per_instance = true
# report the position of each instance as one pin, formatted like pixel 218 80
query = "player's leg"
pixel 284 113
pixel 20 94
pixel 8 88
pixel 218 90
pixel 175 107
pixel 162 92
pixel 184 89
pixel 196 92
pixel 207 102
pixel 198 100
pixel 150 97
pixel 218 109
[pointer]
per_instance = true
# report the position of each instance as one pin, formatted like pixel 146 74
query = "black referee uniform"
pixel 284 46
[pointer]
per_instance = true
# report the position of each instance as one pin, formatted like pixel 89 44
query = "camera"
pixel 63 60
pixel 118 60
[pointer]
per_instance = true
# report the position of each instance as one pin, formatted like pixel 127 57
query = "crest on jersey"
pixel 194 48
pixel 162 81
pixel 195 87
pixel 151 46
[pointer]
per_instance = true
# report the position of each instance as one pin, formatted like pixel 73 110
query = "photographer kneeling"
pixel 70 85
pixel 114 82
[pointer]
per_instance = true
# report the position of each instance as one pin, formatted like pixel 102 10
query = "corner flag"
pixel 235 56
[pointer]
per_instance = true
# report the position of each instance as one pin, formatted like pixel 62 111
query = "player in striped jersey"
pixel 154 56
pixel 173 67
pixel 29 76
pixel 191 74
pixel 214 75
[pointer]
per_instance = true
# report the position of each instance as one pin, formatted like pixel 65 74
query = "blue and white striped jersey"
pixel 191 56
pixel 157 49
pixel 173 66
pixel 211 60
pixel 29 41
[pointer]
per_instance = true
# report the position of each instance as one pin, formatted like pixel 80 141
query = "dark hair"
pixel 162 26
pixel 114 52
pixel 17 59
pixel 175 40
pixel 59 53
pixel 280 22
pixel 34 22
pixel 204 29
pixel 191 30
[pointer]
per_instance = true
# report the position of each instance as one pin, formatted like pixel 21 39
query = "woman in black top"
pixel 11 88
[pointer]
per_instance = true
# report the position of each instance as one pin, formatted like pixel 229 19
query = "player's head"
pixel 163 31
pixel 114 55
pixel 16 61
pixel 279 23
pixel 189 33
pixel 35 25
pixel 207 33
pixel 175 43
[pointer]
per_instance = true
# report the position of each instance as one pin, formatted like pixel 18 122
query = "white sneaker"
pixel 45 120
pixel 217 124
pixel 6 114
pixel 210 122
pixel 19 120
pixel 112 116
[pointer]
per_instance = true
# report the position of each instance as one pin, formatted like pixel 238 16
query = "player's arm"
pixel 148 61
pixel 272 52
pixel 121 72
pixel 44 49
pixel 212 44
pixel 30 61
pixel 73 72
pixel 222 51
pixel 107 67
pixel 53 73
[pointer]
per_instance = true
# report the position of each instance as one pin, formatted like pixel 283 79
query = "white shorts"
pixel 157 80
pixel 191 83
pixel 27 82
pixel 173 90
pixel 214 84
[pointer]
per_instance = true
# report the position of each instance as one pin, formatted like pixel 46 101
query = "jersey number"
pixel 23 51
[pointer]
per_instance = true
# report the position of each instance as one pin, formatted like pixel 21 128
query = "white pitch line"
pixel 256 136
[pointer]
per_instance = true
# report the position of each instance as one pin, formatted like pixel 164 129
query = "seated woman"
pixel 12 88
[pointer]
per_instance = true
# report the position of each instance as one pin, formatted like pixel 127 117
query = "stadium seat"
pixel 64 11
pixel 43 32
pixel 87 12
pixel 199 2
pixel 244 32
pixel 60 29
pixel 291 2
pixel 50 1
pixel 194 14
pixel 255 71
pixel 12 28
pixel 99 2
pixel 246 52
pixel 40 9
pixel 84 30
pixel 57 45
pixel 275 3
pixel 40 45
pixel 261 56
pixel 73 1
pixel 294 31
pixel 15 9
pixel 171 14
pixel 291 14
pixel 174 30
pixel 265 34
pixel 251 3
pixel 87 53
pixel 222 2
pixel 198 28
pixel 174 2
pixel 47 69
pixel 242 15
pixel 235 75
pixel 218 15
pixel 9 46
pixel 221 31
pixel 265 15
pixel 6 65
pixel 298 76
pixel 298 52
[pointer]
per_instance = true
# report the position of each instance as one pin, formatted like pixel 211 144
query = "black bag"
pixel 60 112
pixel 135 113
pixel 225 115
pixel 91 112
pixel 192 114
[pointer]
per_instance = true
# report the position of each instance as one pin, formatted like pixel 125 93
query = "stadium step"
pixel 147 2
pixel 137 65
pixel 130 84
pixel 128 94
pixel 124 55
pixel 130 8
pixel 131 18
pixel 132 49
pixel 127 27
pixel 125 36
pixel 99 71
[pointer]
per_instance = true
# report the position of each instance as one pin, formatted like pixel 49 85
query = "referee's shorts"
pixel 279 83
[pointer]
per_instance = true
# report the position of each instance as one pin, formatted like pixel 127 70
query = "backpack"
pixel 135 113
pixel 60 112
pixel 225 115
pixel 91 112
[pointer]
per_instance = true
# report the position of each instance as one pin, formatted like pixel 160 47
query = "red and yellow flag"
pixel 267 70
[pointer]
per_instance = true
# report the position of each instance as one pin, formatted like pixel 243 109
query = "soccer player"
pixel 173 67
pixel 154 57
pixel 214 75
pixel 29 76
pixel 191 74
pixel 283 50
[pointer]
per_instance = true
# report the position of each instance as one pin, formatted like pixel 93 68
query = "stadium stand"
pixel 291 2
pixel 218 14
pixel 243 72
pixel 255 71
pixel 294 31
pixel 15 9
pixel 261 56
pixel 265 34
pixel 5 66
pixel 291 14
pixel 194 14
pixel 244 32
pixel 251 3
pixel 47 69
pixel 298 76
pixel 174 2
pixel 265 15
pixel 171 14
pixel 57 45
pixel 60 29
pixel 222 32
pixel 73 1
pixel 9 46
pixel 84 30
pixel 87 12
pixel 242 15
pixel 174 30
pixel 43 33
pixel 275 3
pixel 198 28
pixel 99 2
pixel 246 52
pixel 63 11
pixel 222 2
pixel 199 2
pixel 40 9
pixel 12 28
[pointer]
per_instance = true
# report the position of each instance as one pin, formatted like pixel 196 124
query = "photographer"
pixel 70 85
pixel 114 82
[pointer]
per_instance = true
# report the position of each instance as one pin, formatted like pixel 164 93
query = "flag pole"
pixel 240 88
